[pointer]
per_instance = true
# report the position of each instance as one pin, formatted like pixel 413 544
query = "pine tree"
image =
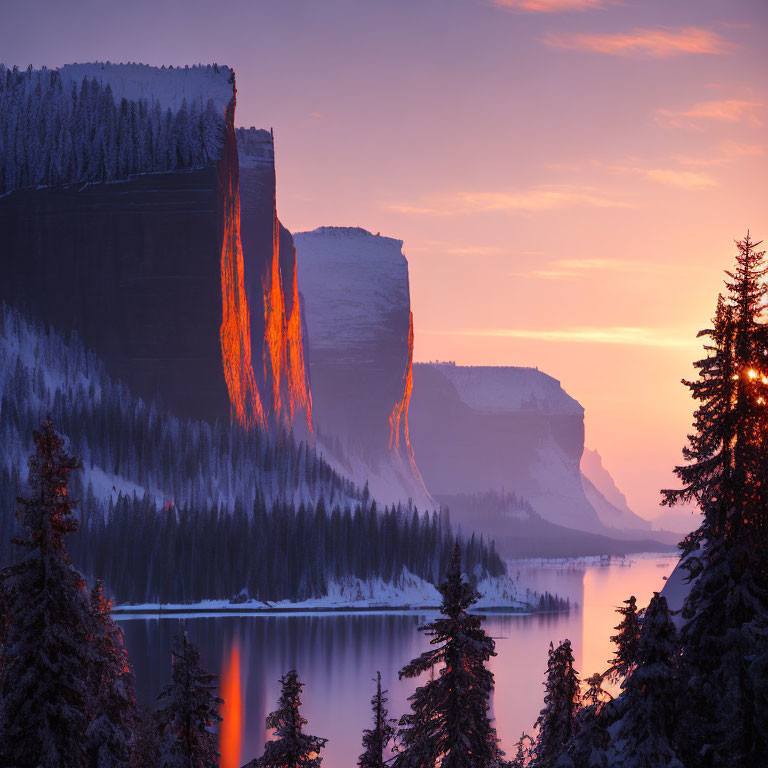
pixel 449 725
pixel 146 750
pixel 557 723
pixel 725 628
pixel 589 748
pixel 188 709
pixel 626 640
pixel 291 748
pixel 376 739
pixel 46 655
pixel 594 696
pixel 524 751
pixel 111 735
pixel 646 729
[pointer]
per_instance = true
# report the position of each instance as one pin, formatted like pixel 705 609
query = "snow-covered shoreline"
pixel 294 609
pixel 406 593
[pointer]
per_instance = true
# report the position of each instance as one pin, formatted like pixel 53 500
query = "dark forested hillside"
pixel 181 510
pixel 275 553
pixel 132 448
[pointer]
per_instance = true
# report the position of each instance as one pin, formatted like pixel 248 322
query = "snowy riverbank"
pixel 408 592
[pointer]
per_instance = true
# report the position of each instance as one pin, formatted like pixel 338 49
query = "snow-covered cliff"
pixel 480 429
pixel 360 334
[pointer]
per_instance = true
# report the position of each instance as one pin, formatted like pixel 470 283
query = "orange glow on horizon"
pixel 231 731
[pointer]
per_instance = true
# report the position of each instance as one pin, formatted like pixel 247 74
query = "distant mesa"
pixel 360 334
pixel 477 429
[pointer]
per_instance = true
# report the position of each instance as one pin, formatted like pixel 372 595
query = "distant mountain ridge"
pixel 484 428
pixel 609 502
pixel 480 430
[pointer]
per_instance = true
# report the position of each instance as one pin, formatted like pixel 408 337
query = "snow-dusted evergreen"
pixel 724 637
pixel 699 697
pixel 450 724
pixel 44 696
pixel 111 735
pixel 291 747
pixel 588 750
pixel 558 721
pixel 644 735
pixel 188 709
pixel 376 739
pixel 55 129
pixel 626 640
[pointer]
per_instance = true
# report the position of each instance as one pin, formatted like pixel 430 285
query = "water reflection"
pixel 231 732
pixel 336 655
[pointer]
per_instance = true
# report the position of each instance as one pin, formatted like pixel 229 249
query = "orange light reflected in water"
pixel 231 731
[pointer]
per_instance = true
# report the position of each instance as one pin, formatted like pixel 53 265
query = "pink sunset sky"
pixel 568 176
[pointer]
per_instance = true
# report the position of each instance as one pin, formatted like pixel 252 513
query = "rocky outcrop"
pixel 271 286
pixel 360 334
pixel 501 429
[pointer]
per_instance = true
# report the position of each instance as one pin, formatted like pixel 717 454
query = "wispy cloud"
pixel 723 110
pixel 728 152
pixel 674 177
pixel 623 335
pixel 567 269
pixel 553 6
pixel 535 200
pixel 661 42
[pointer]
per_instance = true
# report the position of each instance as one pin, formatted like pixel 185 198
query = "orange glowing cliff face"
pixel 231 731
pixel 283 342
pixel 398 419
pixel 246 405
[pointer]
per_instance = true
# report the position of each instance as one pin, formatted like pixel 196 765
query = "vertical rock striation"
pixel 236 325
pixel 271 285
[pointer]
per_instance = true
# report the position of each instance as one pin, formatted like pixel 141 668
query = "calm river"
pixel 336 655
